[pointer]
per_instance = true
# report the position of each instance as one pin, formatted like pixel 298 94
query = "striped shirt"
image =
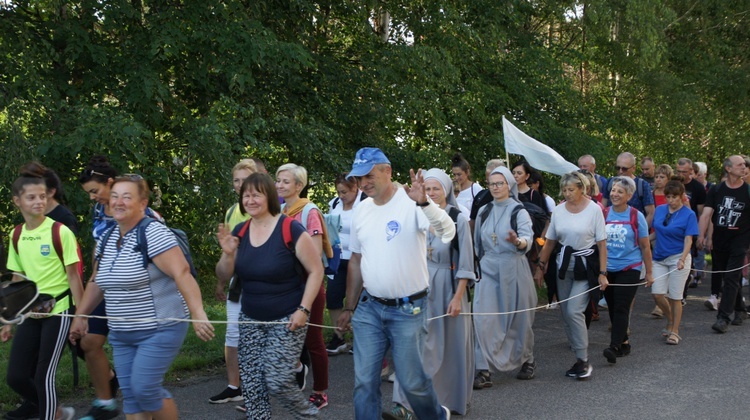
pixel 131 291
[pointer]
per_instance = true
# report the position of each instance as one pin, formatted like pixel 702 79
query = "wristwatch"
pixel 603 273
pixel 425 204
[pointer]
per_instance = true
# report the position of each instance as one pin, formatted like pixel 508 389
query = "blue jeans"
pixel 376 328
pixel 141 361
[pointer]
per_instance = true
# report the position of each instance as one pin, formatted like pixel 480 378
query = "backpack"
pixel 633 222
pixel 453 212
pixel 142 245
pixel 539 219
pixel 331 228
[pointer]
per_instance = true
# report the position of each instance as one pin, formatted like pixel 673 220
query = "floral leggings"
pixel 268 356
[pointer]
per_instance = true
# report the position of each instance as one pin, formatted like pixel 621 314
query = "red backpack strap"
pixel 56 242
pixel 286 232
pixel 242 231
pixel 634 222
pixel 606 213
pixel 17 236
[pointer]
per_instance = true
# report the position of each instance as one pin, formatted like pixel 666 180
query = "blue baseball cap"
pixel 365 159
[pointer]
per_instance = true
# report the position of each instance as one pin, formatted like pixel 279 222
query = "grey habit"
pixel 505 342
pixel 448 354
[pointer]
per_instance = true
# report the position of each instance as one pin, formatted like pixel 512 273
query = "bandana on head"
pixel 445 181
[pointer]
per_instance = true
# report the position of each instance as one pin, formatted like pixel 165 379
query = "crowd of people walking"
pixel 413 259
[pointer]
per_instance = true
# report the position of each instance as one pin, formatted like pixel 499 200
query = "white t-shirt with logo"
pixel 392 241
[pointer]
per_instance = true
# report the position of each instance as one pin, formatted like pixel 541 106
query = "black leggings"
pixel 34 355
pixel 619 299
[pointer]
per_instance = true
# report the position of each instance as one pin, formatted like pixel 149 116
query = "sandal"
pixel 673 339
pixel 666 332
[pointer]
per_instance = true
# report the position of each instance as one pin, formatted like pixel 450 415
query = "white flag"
pixel 539 155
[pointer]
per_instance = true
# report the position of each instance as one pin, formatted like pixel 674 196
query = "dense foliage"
pixel 179 90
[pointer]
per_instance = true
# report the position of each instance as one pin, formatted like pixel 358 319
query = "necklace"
pixel 495 224
pixel 430 237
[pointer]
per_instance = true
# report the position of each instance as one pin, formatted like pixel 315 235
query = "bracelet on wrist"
pixel 303 309
pixel 348 310
pixel 425 204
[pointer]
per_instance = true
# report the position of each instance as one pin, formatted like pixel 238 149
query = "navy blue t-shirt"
pixel 271 288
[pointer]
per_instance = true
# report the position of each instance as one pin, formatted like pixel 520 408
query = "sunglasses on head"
pixel 130 177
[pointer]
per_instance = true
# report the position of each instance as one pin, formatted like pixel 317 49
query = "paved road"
pixel 706 376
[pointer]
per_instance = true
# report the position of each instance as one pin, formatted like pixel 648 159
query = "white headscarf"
pixel 445 181
pixel 502 170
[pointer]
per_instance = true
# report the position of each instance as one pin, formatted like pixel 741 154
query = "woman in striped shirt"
pixel 144 303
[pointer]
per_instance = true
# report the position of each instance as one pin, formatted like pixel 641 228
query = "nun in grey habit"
pixel 448 356
pixel 506 342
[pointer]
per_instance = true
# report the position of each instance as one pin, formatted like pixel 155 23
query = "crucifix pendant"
pixel 429 252
pixel 494 238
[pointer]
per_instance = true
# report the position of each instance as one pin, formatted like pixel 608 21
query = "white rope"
pixel 336 328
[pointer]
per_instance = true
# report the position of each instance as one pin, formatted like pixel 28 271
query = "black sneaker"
pixel 27 410
pixel 739 316
pixel 227 395
pixel 482 380
pixel 612 353
pixel 694 282
pixel 336 346
pixel 625 348
pixel 101 412
pixel 301 377
pixel 721 325
pixel 527 371
pixel 580 370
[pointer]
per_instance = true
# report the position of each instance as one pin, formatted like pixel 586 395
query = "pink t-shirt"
pixel 314 222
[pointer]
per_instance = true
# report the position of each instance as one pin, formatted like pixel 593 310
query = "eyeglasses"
pixel 497 184
pixel 130 177
pixel 622 168
pixel 90 172
pixel 667 219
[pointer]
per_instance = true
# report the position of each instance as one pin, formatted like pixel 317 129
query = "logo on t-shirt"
pixel 730 211
pixel 616 235
pixel 392 229
pixel 44 249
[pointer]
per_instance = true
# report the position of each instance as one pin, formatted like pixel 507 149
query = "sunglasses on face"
pixel 622 168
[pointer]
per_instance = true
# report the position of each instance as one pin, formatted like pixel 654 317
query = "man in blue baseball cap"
pixel 387 284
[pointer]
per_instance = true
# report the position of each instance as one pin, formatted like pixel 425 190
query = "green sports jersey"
pixel 37 259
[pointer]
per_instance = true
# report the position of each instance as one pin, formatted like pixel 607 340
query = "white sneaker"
pixel 745 282
pixel 712 303
pixel 447 413
pixel 392 377
pixel 552 305
pixel 603 304
pixel 67 413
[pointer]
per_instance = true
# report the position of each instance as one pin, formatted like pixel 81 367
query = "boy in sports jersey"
pixel 39 341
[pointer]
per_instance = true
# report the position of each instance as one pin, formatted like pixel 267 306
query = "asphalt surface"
pixel 705 376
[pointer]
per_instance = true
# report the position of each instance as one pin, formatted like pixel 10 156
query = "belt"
pixel 401 301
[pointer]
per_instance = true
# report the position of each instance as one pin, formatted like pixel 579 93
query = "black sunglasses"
pixel 667 219
pixel 622 168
